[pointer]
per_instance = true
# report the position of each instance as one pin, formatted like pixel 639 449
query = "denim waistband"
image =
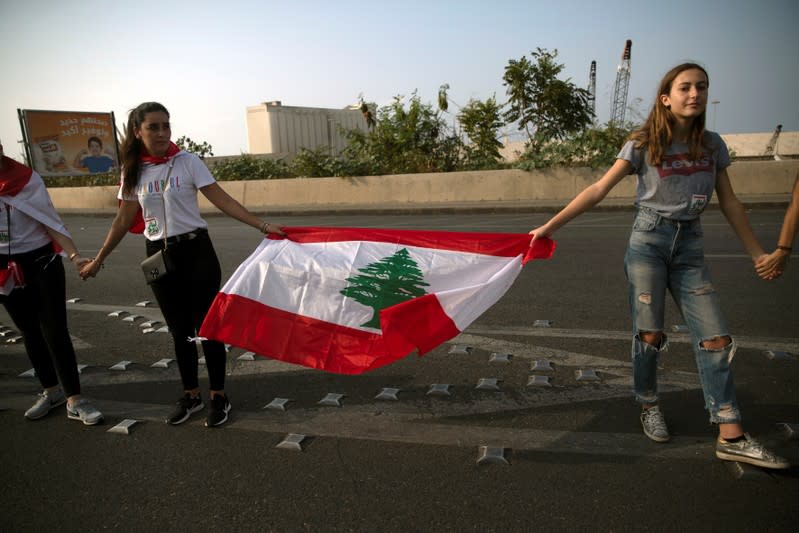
pixel 660 219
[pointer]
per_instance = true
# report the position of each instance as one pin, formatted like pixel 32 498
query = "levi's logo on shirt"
pixel 680 165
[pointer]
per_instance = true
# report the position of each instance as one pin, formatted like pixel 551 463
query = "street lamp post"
pixel 715 112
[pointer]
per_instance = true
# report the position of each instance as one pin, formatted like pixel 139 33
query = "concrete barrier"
pixel 759 179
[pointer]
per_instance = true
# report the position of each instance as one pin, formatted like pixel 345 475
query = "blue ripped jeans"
pixel 669 254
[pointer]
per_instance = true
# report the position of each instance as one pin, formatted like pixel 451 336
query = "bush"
pixel 594 147
pixel 247 167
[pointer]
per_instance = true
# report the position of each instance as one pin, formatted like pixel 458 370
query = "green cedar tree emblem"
pixel 392 280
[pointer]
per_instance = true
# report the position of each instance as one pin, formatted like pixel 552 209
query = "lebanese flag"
pixel 23 189
pixel 349 300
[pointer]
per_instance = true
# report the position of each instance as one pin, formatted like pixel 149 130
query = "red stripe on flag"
pixel 420 322
pixel 497 244
pixel 298 339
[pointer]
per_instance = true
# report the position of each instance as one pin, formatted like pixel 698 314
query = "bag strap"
pixel 163 198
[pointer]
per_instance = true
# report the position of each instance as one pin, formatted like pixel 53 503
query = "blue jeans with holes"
pixel 662 255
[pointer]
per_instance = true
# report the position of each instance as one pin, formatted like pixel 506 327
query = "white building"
pixel 273 128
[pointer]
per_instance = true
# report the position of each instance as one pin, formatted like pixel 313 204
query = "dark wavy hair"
pixel 656 134
pixel 132 147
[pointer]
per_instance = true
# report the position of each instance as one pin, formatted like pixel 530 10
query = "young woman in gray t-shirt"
pixel 679 164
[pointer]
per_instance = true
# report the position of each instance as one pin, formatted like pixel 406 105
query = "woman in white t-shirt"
pixel 162 182
pixel 679 164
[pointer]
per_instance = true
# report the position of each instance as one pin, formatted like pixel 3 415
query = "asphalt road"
pixel 576 457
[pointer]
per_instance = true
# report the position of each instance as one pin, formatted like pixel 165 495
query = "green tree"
pixel 481 122
pixel 404 140
pixel 202 150
pixel 544 106
pixel 385 283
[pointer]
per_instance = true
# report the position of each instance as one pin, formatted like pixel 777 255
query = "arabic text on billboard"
pixel 66 143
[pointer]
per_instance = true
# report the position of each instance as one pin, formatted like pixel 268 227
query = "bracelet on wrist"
pixel 73 255
pixel 264 226
pixel 784 248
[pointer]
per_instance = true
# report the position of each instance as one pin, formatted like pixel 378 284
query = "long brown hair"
pixel 656 134
pixel 132 147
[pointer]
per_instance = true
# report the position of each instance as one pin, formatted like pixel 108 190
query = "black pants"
pixel 184 297
pixel 39 311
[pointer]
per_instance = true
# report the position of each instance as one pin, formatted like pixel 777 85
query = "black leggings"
pixel 184 297
pixel 39 311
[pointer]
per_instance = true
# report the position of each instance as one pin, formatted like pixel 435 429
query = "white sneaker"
pixel 654 424
pixel 84 411
pixel 45 403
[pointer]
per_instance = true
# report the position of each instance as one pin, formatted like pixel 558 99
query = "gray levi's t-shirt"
pixel 678 188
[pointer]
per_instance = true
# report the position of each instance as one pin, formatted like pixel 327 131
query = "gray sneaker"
pixel 84 411
pixel 748 450
pixel 45 403
pixel 654 424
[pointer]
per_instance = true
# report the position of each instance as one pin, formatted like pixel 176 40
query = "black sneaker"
pixel 217 414
pixel 184 409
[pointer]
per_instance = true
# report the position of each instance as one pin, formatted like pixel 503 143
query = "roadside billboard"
pixel 69 143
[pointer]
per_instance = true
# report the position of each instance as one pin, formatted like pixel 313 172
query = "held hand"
pixel 538 233
pixel 771 266
pixel 89 269
pixel 267 228
pixel 80 262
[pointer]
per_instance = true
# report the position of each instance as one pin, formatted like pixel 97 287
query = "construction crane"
pixel 619 104
pixel 772 144
pixel 592 88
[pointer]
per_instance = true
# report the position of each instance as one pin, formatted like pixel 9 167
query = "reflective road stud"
pixel 81 367
pixel 777 354
pixel 541 365
pixel 438 389
pixel 123 427
pixel 586 375
pixel 542 324
pixel 161 363
pixel 278 404
pixel 500 357
pixel 387 393
pixel 746 471
pixel 790 430
pixel 73 300
pixel 293 441
pixel 539 381
pixel 28 374
pixel 331 399
pixel 461 349
pixel 488 384
pixel 117 314
pixel 246 356
pixel 491 455
pixel 143 303
pixel 122 365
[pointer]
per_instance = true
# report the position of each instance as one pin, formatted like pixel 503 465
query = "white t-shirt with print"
pixel 176 198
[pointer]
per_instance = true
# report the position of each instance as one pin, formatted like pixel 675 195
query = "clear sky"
pixel 208 60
